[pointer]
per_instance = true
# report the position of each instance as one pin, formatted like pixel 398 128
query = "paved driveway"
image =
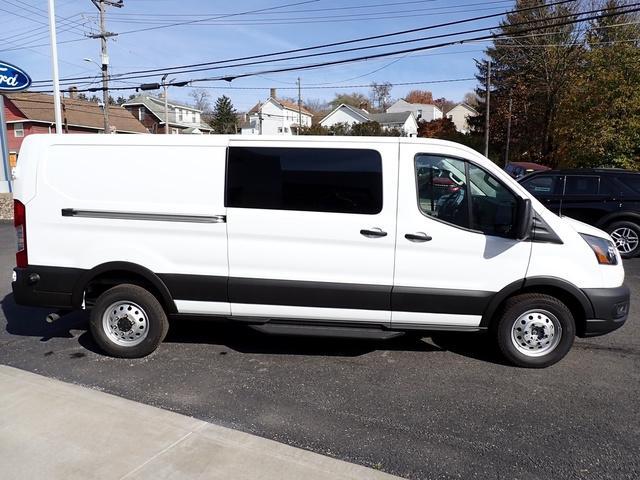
pixel 435 408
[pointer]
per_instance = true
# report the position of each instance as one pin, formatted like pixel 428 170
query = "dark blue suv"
pixel 606 198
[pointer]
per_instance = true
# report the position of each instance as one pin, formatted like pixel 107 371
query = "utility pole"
pixel 166 104
pixel 104 55
pixel 506 151
pixel 486 116
pixel 299 108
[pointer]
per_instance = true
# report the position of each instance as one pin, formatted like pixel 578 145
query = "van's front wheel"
pixel 535 330
pixel 128 322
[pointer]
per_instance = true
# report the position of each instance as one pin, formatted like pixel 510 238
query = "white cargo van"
pixel 320 235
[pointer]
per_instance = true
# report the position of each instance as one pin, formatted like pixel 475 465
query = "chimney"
pixel 272 93
pixel 73 92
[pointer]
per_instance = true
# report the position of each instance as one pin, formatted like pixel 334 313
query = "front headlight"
pixel 604 249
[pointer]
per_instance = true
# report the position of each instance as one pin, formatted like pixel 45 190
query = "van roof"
pixel 223 140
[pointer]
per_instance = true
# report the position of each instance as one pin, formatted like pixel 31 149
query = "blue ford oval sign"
pixel 12 78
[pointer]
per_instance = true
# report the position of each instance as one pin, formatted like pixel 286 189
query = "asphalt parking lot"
pixel 432 408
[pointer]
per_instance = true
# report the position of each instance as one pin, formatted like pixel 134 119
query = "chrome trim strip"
pixel 158 217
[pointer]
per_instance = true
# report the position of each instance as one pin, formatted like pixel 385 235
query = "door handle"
pixel 373 233
pixel 418 237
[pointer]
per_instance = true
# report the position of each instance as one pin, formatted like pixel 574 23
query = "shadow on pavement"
pixel 30 321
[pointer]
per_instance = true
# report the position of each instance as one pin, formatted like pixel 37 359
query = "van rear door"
pixel 311 229
pixel 455 245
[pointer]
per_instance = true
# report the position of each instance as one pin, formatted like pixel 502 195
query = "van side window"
pixel 307 179
pixel 494 208
pixel 465 195
pixel 442 186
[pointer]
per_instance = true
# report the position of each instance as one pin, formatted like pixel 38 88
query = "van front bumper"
pixel 42 286
pixel 610 308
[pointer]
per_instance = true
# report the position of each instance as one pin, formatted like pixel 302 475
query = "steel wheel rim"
pixel 626 239
pixel 125 323
pixel 536 333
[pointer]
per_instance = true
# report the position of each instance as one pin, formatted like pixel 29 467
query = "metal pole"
pixel 4 145
pixel 57 104
pixel 488 104
pixel 166 106
pixel 506 152
pixel 104 57
pixel 299 108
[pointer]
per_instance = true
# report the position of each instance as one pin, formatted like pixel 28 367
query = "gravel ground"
pixel 6 206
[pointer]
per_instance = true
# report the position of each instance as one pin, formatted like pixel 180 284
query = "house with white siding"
pixel 346 114
pixel 460 115
pixel 422 111
pixel 275 117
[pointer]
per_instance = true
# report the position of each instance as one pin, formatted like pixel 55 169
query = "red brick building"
pixel 28 113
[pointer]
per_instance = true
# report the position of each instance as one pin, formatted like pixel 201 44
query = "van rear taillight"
pixel 20 222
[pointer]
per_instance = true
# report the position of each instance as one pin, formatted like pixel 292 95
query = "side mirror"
pixel 525 219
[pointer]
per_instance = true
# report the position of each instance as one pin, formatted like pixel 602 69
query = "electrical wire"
pixel 322 46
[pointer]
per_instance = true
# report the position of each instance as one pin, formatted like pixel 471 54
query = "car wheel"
pixel 128 322
pixel 626 236
pixel 535 330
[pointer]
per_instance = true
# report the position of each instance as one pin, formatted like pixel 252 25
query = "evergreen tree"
pixel 600 121
pixel 224 116
pixel 535 71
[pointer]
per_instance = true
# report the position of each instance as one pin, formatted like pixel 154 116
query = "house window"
pixel 174 130
pixel 18 130
pixel 141 114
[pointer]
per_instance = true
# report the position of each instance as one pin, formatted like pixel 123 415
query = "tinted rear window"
pixel 581 185
pixel 631 181
pixel 307 179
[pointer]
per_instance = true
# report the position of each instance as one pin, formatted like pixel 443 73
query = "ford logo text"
pixel 12 78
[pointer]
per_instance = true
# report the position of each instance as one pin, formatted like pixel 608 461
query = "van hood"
pixel 582 227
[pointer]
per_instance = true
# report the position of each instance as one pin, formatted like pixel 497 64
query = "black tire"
pixel 151 317
pixel 633 227
pixel 515 308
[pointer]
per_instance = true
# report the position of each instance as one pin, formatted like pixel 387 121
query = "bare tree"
pixel 201 100
pixel 381 94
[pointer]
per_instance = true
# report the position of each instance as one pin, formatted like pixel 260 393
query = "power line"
pixel 382 55
pixel 230 77
pixel 176 24
pixel 190 22
pixel 323 46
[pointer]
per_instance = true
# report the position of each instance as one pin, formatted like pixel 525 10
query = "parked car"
pixel 605 198
pixel 520 169
pixel 316 235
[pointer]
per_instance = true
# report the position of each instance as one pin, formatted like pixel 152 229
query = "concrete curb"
pixel 54 430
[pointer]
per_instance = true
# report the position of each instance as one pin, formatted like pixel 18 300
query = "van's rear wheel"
pixel 535 330
pixel 128 322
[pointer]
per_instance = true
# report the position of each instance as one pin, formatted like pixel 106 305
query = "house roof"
pixel 156 106
pixel 464 105
pixel 284 104
pixel 387 118
pixel 81 113
pixel 416 105
pixel 381 118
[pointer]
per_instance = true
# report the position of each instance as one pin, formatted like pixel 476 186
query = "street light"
pixel 105 113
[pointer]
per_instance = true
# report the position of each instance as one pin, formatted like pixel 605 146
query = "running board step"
pixel 326 331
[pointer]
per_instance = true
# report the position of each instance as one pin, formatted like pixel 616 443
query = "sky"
pixel 213 30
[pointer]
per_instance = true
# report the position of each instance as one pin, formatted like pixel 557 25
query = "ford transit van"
pixel 349 236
